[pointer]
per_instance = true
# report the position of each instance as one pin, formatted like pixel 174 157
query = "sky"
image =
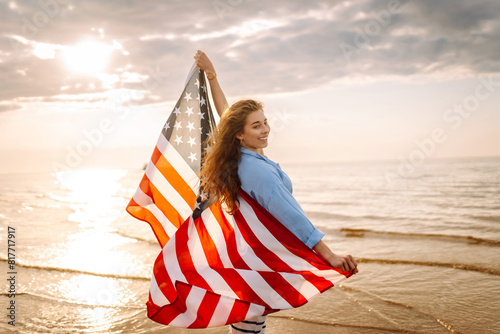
pixel 91 83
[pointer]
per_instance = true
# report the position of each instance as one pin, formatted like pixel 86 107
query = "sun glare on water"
pixel 89 57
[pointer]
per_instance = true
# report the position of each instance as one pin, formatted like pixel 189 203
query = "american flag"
pixel 168 192
pixel 216 269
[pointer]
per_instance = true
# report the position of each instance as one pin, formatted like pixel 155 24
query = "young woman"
pixel 236 160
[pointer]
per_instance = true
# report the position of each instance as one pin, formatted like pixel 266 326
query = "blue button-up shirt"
pixel 264 180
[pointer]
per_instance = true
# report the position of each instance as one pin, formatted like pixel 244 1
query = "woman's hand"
pixel 341 262
pixel 203 62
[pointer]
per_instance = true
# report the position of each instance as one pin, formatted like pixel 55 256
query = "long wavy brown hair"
pixel 219 172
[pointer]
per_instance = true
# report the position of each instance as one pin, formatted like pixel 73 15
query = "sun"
pixel 89 57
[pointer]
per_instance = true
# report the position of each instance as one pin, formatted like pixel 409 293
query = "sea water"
pixel 427 242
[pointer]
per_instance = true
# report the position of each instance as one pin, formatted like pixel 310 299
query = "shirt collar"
pixel 245 150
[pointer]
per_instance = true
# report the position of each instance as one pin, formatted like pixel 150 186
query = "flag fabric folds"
pixel 214 268
pixel 220 269
pixel 168 191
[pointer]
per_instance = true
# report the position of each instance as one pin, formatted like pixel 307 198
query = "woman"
pixel 236 160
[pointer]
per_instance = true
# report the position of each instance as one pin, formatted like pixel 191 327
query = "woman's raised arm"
pixel 204 63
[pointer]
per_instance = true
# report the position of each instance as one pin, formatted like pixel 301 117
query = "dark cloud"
pixel 293 46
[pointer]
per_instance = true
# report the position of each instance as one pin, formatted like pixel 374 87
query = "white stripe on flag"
pixel 170 260
pixel 330 275
pixel 174 198
pixel 157 296
pixel 266 292
pixel 213 278
pixel 221 312
pixel 252 278
pixel 214 229
pixel 270 242
pixel 255 311
pixel 245 250
pixel 307 289
pixel 179 164
pixel 193 301
pixel 147 203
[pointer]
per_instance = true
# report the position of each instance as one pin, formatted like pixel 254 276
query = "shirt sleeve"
pixel 284 207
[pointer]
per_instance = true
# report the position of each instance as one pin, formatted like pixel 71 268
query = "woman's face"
pixel 255 132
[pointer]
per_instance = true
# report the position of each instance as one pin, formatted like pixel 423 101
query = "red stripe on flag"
pixel 230 275
pixel 167 313
pixel 185 260
pixel 168 209
pixel 285 236
pixel 293 244
pixel 274 279
pixel 206 310
pixel 230 238
pixel 152 308
pixel 144 214
pixel 163 279
pixel 238 312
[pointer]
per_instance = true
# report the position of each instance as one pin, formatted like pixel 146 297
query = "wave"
pixel 350 290
pixel 487 218
pixel 77 271
pixel 125 235
pixel 461 266
pixel 59 300
pixel 335 324
pixel 335 216
pixel 305 201
pixel 360 233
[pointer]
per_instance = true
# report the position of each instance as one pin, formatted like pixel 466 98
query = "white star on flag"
pixel 178 140
pixel 191 141
pixel 190 126
pixel 192 156
pixel 178 125
pixel 188 96
pixel 189 111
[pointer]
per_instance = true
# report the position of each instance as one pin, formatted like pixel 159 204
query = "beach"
pixel 427 243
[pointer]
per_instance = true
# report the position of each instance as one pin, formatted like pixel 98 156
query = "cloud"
pixel 258 47
pixel 9 107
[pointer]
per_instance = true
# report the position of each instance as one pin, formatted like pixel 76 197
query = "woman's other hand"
pixel 203 62
pixel 343 262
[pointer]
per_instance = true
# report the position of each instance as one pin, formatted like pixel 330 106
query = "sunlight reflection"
pixel 93 252
pixel 93 196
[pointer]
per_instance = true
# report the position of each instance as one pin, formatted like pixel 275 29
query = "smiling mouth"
pixel 263 138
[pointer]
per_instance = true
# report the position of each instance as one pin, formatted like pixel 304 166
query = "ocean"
pixel 427 243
